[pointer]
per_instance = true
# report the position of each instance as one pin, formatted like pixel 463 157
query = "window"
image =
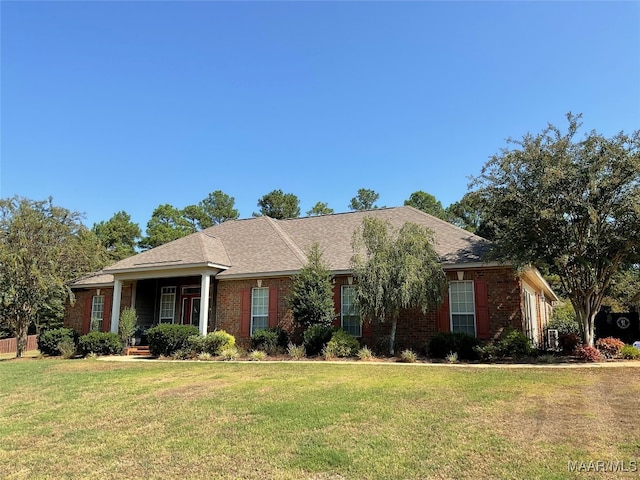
pixel 167 304
pixel 350 316
pixel 97 313
pixel 259 309
pixel 463 312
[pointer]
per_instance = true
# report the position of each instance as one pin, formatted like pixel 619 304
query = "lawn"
pixel 94 419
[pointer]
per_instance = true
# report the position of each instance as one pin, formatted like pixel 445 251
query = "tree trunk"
pixel 21 336
pixel 586 316
pixel 392 337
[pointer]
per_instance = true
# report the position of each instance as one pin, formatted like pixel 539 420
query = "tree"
pixel 218 207
pixel 196 217
pixel 468 214
pixel 427 203
pixel 167 223
pixel 42 247
pixel 119 235
pixel 364 200
pixel 395 269
pixel 569 206
pixel 279 205
pixel 625 284
pixel 311 298
pixel 320 208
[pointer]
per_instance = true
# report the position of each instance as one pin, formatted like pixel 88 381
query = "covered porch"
pixel 181 296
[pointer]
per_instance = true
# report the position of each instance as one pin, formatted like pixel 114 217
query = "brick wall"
pixel 414 328
pixel 228 315
pixel 76 315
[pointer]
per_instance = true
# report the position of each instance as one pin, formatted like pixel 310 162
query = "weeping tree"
pixel 395 269
pixel 570 206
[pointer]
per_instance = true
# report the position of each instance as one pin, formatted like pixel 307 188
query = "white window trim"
pixel 473 298
pixel 100 323
pixel 342 288
pixel 167 291
pixel 253 290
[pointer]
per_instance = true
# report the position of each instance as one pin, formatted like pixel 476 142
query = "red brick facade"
pixel 414 329
pixel 78 314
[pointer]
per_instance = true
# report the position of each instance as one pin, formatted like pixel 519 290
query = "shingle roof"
pixel 197 249
pixel 259 246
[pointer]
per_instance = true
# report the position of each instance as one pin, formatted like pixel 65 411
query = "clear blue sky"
pixel 110 106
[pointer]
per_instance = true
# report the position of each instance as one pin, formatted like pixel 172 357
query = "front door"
pixel 191 306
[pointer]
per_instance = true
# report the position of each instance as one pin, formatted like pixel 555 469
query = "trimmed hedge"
pixel 445 343
pixel 217 341
pixel 342 345
pixel 271 340
pixel 316 338
pixel 167 338
pixel 49 340
pixel 100 343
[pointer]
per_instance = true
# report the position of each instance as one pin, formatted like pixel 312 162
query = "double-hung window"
pixel 97 313
pixel 463 313
pixel 167 304
pixel 259 309
pixel 350 316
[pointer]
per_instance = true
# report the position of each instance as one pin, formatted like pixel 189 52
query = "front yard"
pixel 95 419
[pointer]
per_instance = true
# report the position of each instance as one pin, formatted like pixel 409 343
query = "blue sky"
pixel 110 106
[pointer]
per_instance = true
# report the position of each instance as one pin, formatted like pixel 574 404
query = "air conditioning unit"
pixel 552 339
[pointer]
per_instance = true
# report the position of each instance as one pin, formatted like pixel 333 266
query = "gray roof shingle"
pixel 259 246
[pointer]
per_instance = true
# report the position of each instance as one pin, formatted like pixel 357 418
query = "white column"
pixel 134 287
pixel 204 302
pixel 115 306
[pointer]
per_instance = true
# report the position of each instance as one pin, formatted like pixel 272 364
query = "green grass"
pixel 93 419
pixel 27 354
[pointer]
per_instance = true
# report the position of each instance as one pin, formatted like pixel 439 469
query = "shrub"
pixel 365 354
pixel 230 353
pixel 49 340
pixel 316 338
pixel 568 342
pixel 167 338
pixel 183 354
pixel 204 356
pixel 563 318
pixel 630 352
pixel 311 297
pixel 100 343
pixel 452 357
pixel 342 345
pixel 196 343
pixel 127 325
pixel 589 354
pixel 257 355
pixel 513 343
pixel 408 356
pixel 271 340
pixel 67 348
pixel 217 341
pixel 609 347
pixel 296 352
pixel 486 353
pixel 457 342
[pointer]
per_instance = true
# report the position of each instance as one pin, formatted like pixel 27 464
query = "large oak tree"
pixel 568 205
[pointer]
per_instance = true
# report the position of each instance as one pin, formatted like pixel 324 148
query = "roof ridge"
pixel 293 246
pixel 220 242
